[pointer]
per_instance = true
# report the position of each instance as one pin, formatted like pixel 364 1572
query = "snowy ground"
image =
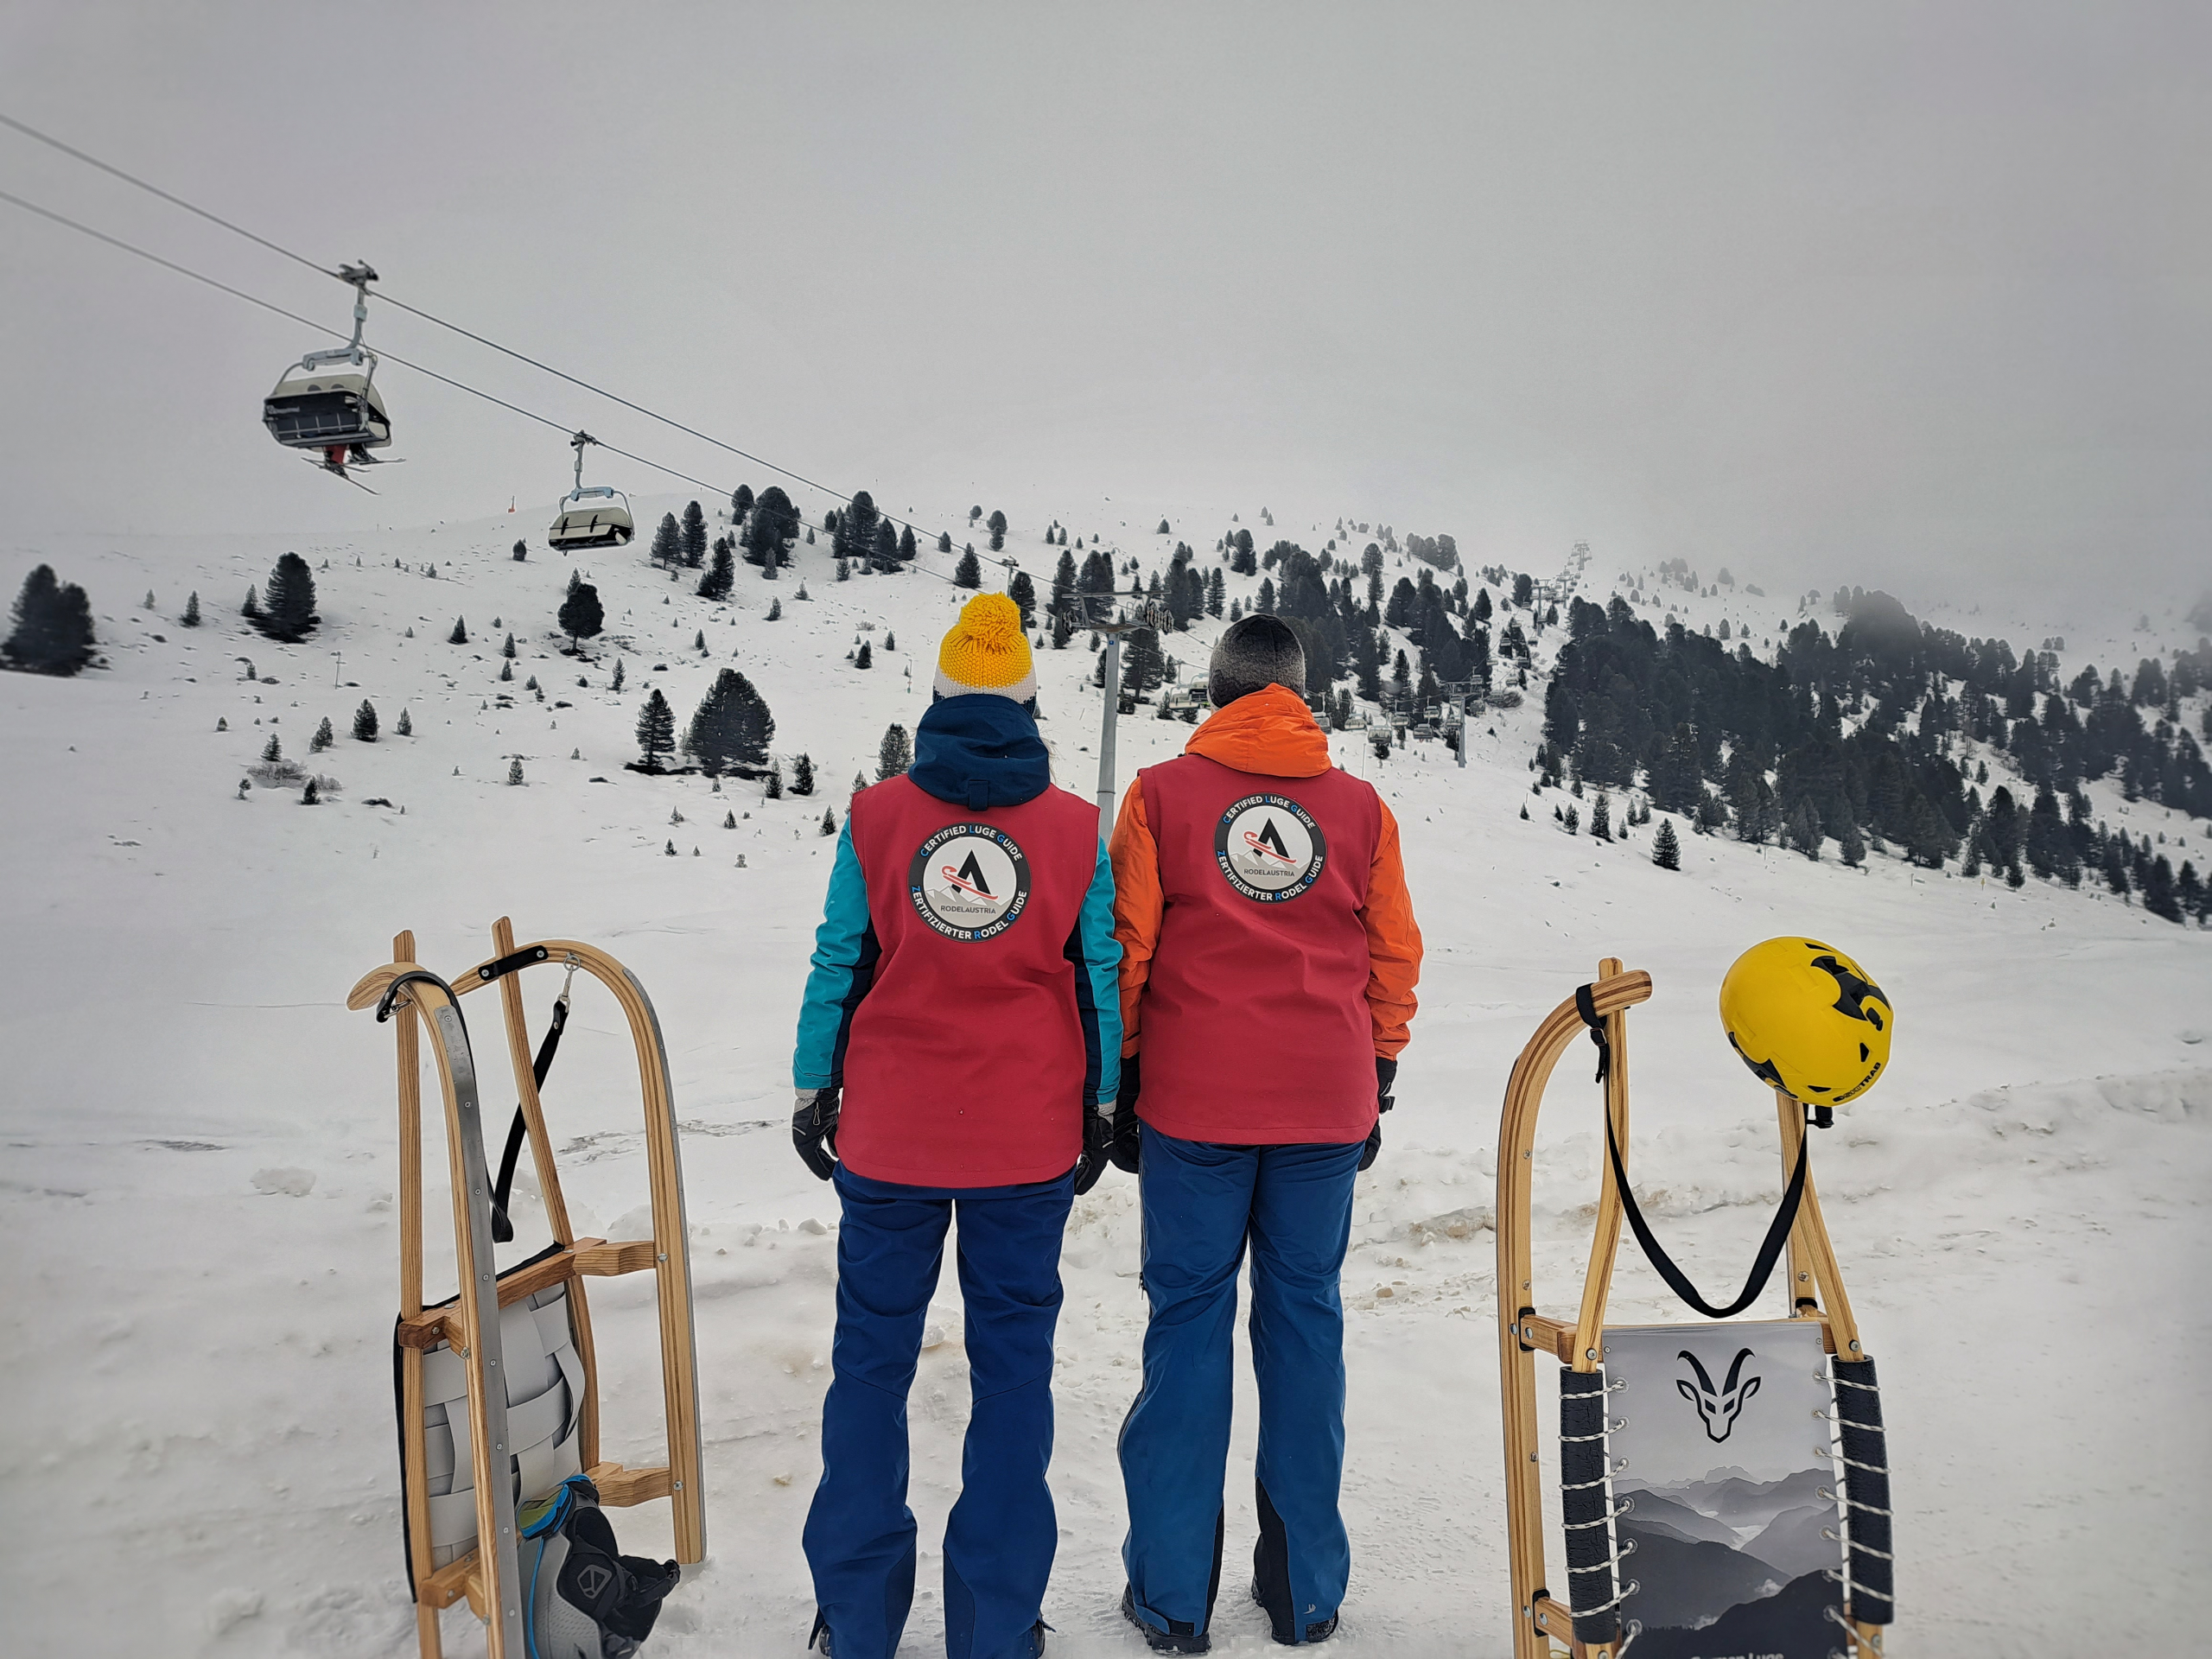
pixel 199 1145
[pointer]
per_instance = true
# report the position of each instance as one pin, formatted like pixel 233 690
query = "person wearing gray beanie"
pixel 1257 652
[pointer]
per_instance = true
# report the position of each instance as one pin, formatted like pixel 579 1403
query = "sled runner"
pixel 1724 1486
pixel 497 1387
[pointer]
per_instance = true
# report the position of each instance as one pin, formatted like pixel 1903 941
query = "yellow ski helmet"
pixel 1807 1019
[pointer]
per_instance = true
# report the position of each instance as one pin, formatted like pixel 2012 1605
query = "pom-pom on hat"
pixel 986 651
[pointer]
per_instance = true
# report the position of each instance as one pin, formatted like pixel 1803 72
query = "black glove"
pixel 1122 1144
pixel 814 1129
pixel 1097 1143
pixel 1385 1073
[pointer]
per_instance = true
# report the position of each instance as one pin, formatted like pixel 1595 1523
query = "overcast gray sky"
pixel 1900 294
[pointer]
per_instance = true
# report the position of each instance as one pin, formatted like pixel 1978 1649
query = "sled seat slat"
pixel 620 1488
pixel 1556 1337
pixel 591 1258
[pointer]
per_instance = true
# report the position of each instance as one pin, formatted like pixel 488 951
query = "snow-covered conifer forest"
pixel 1979 807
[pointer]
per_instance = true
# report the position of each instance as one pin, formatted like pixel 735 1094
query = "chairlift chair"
pixel 594 517
pixel 328 400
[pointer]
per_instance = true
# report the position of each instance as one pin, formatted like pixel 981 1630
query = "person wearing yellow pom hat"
pixel 960 1034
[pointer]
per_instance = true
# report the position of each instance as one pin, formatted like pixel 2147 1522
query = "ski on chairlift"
pixel 328 401
pixel 594 517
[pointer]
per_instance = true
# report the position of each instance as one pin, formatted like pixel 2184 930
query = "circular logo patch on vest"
pixel 969 881
pixel 1269 848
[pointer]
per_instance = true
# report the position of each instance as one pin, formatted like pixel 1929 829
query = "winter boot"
pixel 1159 1641
pixel 1320 1629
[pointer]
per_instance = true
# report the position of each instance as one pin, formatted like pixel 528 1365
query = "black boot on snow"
pixel 1271 1581
pixel 1320 1629
pixel 1185 1640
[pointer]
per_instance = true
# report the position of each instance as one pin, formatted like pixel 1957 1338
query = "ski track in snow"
pixel 197 1190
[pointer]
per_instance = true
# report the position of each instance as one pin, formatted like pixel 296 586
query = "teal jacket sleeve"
pixel 845 955
pixel 1096 954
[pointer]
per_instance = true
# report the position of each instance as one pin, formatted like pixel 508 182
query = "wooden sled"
pixel 470 1338
pixel 1582 1609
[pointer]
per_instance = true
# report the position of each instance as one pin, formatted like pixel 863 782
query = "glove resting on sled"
pixel 814 1131
pixel 1385 1073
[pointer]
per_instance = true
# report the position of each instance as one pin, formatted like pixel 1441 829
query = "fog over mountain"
pixel 1907 297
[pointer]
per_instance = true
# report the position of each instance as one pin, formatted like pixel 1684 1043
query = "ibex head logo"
pixel 1718 1406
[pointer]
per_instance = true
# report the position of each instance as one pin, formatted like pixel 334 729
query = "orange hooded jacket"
pixel 1269 735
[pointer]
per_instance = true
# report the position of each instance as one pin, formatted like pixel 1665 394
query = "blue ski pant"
pixel 999 1539
pixel 1202 1205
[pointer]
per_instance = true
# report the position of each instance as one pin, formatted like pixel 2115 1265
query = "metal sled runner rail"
pixel 542 1298
pixel 1588 1606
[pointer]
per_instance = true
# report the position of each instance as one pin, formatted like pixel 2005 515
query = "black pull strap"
pixel 1778 1234
pixel 1587 1007
pixel 1769 1250
pixel 503 1230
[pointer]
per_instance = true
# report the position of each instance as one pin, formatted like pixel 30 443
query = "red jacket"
pixel 1268 946
pixel 962 986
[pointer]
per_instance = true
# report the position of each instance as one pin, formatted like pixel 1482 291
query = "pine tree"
pixel 1216 592
pixel 856 526
pixel 886 547
pixel 406 727
pixel 191 617
pixel 729 819
pixel 287 609
pixel 866 659
pixel 829 822
pixel 773 790
pixel 1667 847
pixel 741 501
pixel 514 770
pixel 776 608
pixel 507 650
pixel 895 754
pixel 53 632
pixel 1601 817
pixel 699 641
pixel 655 729
pixel 312 795
pixel 692 536
pixel 906 549
pixel 616 684
pixel 251 609
pixel 460 634
pixel 996 525
pixel 944 541
pixel 802 775
pixel 1850 846
pixel 323 738
pixel 521 551
pixel 506 671
pixel 1023 592
pixel 272 752
pixel 716 583
pixel 582 616
pixel 732 727
pixel 968 573
pixel 668 542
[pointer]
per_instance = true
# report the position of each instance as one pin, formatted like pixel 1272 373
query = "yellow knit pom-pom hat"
pixel 986 651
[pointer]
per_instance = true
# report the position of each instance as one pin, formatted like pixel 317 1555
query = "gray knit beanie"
pixel 1257 652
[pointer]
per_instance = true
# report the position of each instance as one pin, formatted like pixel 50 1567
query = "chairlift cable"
pixel 132 179
pixel 50 141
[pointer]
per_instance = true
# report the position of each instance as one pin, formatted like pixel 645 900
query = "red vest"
pixel 1255 1017
pixel 966 1057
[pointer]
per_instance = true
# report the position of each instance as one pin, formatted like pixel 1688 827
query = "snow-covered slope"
pixel 196 1195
